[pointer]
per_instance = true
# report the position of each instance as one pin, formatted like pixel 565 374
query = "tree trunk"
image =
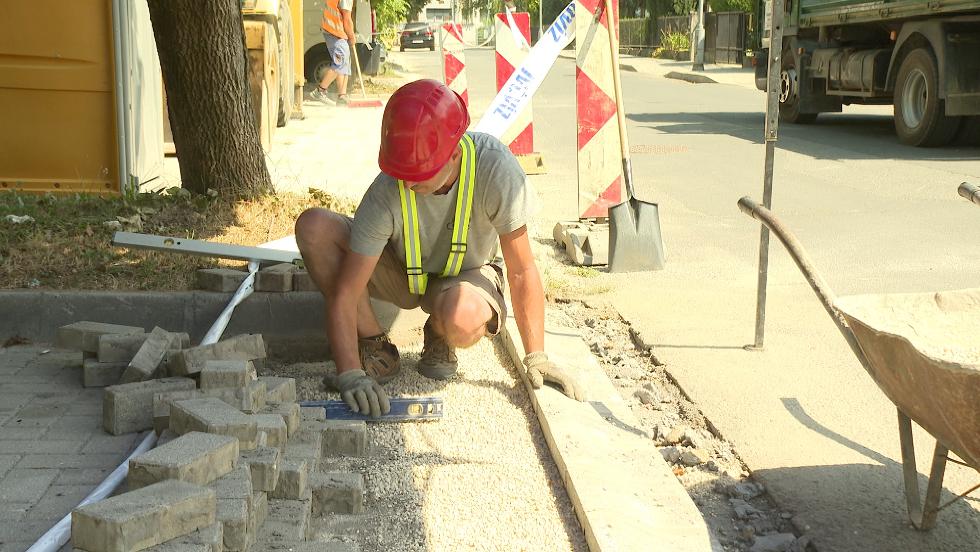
pixel 205 70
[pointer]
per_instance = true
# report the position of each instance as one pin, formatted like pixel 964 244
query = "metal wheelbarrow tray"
pixel 923 351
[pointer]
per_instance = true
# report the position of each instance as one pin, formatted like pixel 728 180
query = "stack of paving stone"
pixel 276 278
pixel 239 465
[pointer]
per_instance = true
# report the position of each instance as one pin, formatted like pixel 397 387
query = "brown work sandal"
pixel 379 357
pixel 438 356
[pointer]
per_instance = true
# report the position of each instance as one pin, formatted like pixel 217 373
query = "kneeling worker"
pixel 425 235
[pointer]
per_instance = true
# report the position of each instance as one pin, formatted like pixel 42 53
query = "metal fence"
pixel 675 24
pixel 726 34
pixel 725 37
pixel 634 32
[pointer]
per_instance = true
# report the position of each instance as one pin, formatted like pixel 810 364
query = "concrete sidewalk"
pixel 681 70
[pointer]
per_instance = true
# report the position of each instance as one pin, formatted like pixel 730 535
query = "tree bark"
pixel 201 44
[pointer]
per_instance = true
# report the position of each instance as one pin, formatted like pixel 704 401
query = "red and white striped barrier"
pixel 600 176
pixel 510 54
pixel 453 60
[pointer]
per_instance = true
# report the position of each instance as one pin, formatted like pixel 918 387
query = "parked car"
pixel 417 35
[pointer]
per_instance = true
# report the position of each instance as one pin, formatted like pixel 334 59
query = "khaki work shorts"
pixel 389 283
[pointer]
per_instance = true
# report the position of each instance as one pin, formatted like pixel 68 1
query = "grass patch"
pixel 67 244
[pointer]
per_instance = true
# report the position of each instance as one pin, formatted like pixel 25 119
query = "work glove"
pixel 540 370
pixel 362 394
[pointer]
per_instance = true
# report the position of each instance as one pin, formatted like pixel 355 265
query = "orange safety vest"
pixel 332 21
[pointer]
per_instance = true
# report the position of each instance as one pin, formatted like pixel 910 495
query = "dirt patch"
pixel 64 242
pixel 737 509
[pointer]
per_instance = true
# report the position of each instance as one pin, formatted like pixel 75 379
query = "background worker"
pixel 338 33
pixel 426 235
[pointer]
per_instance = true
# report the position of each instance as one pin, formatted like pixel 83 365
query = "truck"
pixel 922 57
pixel 275 68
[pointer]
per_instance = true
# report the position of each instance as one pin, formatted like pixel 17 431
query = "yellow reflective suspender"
pixel 417 279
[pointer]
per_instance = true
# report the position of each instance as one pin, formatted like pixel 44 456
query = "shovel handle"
pixel 611 26
pixel 970 192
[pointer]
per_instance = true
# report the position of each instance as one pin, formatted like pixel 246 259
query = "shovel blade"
pixel 635 243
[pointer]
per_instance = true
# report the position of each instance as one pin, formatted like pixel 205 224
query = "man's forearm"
pixel 527 296
pixel 349 29
pixel 342 333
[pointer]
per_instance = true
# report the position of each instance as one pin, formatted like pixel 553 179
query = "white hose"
pixel 58 536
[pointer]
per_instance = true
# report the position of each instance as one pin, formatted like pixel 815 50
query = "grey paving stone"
pixel 129 407
pixel 45 446
pixel 63 461
pixel 7 461
pixel 293 479
pixel 84 336
pixel 101 442
pixel 249 399
pixel 101 374
pixel 162 402
pixel 345 438
pixel 146 363
pixel 13 511
pixel 36 416
pixel 18 433
pixel 242 347
pixel 26 485
pixel 195 457
pixel 337 493
pixel 233 514
pixel 143 518
pixel 213 416
pixel 227 373
pixel 74 427
pixel 263 464
pixel 276 278
pixel 208 539
pixel 279 389
pixel 274 428
pixel 224 280
pixel 288 520
pixel 59 500
pixel 84 476
pixel 314 413
pixel 289 413
pixel 120 348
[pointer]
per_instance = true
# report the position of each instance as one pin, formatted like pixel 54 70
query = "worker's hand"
pixel 362 394
pixel 540 370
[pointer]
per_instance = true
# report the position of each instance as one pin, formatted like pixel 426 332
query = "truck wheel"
pixel 789 93
pixel 920 115
pixel 286 76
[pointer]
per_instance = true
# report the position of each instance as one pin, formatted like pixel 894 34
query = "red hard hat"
pixel 422 125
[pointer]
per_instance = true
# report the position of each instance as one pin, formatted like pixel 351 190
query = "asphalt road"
pixel 876 217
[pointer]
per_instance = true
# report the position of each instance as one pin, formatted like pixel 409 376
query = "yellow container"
pixel 59 115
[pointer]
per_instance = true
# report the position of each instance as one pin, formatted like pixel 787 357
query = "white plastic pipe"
pixel 58 536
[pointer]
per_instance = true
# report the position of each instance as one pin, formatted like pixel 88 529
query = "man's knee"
pixel 463 315
pixel 319 229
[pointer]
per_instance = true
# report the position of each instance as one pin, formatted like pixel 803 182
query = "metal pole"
pixel 540 19
pixel 699 40
pixel 772 127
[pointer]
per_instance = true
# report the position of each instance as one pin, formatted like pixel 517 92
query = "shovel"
pixel 635 243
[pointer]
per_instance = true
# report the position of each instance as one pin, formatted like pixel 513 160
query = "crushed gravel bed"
pixel 479 479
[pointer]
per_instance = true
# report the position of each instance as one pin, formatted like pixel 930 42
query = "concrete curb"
pixel 690 77
pixel 625 495
pixel 292 323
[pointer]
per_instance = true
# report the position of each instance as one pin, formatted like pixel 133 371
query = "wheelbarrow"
pixel 923 352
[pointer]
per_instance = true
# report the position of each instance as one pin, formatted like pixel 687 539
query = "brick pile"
pixel 277 278
pixel 239 465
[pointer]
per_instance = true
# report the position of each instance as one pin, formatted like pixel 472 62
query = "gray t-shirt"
pixel 500 206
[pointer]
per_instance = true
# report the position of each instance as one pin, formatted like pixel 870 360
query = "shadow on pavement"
pixel 834 136
pixel 852 507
